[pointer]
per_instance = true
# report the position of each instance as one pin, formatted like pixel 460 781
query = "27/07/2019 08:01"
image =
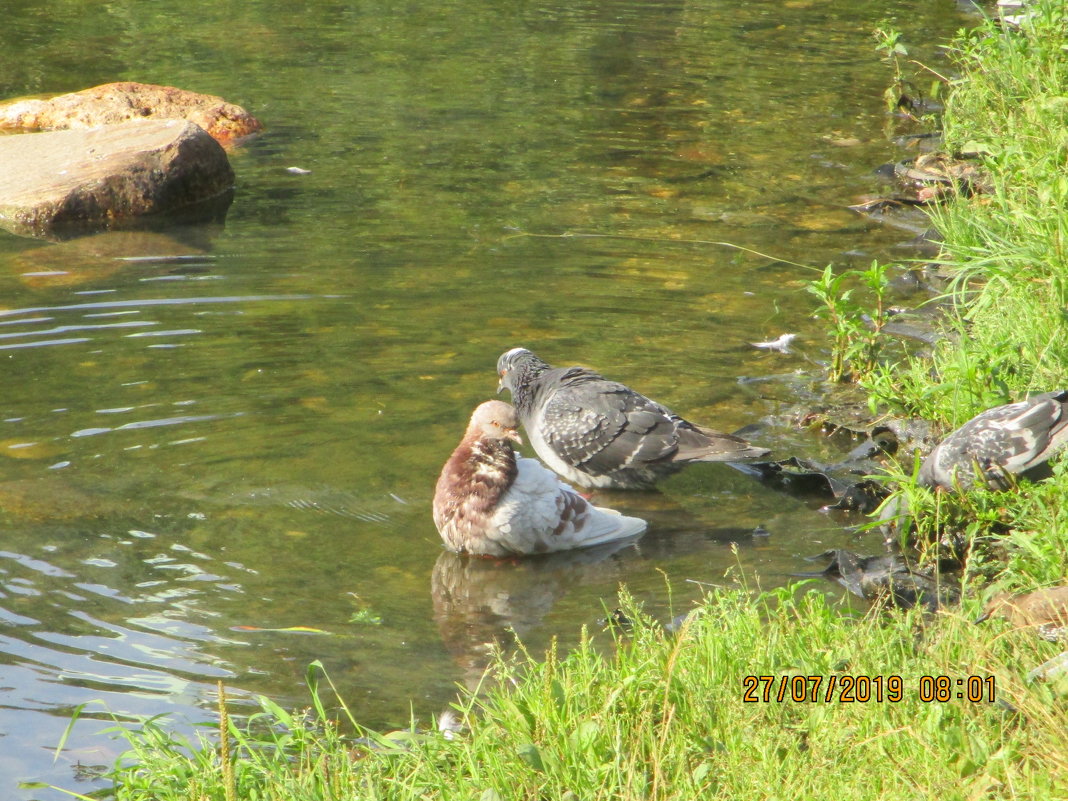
pixel 863 689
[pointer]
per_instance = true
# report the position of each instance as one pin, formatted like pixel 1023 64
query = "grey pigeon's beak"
pixel 500 385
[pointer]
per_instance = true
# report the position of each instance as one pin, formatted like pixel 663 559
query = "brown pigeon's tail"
pixel 698 444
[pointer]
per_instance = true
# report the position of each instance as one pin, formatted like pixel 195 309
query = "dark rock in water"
pixel 966 175
pixel 882 439
pixel 922 142
pixel 902 213
pixel 676 623
pixel 853 422
pixel 794 476
pixel 888 577
pixel 617 619
pixel 899 525
pixel 837 484
pixel 863 496
pixel 928 179
pixel 113 103
pixel 88 259
pixel 913 328
pixel 65 183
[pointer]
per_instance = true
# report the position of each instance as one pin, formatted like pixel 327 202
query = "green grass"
pixel 657 715
pixel 1006 328
pixel 1009 337
pixel 1005 313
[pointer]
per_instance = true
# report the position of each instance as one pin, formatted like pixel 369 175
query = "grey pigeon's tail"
pixel 699 444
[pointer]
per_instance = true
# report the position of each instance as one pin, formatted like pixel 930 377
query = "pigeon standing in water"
pixel 488 502
pixel 1012 440
pixel 600 434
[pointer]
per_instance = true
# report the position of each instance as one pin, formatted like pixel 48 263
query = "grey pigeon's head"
pixel 516 367
pixel 494 420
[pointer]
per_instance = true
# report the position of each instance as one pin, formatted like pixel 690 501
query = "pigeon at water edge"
pixel 601 434
pixel 490 503
pixel 1045 610
pixel 1012 440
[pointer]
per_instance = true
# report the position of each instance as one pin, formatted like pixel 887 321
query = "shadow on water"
pixel 218 443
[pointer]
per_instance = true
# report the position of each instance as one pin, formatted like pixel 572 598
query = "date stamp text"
pixel 845 689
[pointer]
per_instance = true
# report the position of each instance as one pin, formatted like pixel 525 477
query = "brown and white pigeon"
pixel 490 503
pixel 1012 440
pixel 602 434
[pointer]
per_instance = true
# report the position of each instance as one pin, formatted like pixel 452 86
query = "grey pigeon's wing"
pixel 602 425
pixel 1008 439
pixel 1018 438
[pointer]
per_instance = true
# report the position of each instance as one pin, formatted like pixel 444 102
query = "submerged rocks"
pixel 888 578
pixel 113 103
pixel 87 260
pixel 62 182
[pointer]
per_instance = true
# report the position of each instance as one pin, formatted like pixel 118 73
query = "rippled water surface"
pixel 212 435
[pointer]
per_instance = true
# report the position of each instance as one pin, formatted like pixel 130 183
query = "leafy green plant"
pixel 366 617
pixel 888 42
pixel 363 614
pixel 902 95
pixel 857 343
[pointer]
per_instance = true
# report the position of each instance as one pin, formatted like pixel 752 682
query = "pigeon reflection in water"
pixel 479 603
pixel 886 578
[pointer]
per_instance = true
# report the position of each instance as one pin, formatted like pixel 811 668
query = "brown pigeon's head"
pixel 495 420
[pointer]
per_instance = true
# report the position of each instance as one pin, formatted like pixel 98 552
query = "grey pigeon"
pixel 1012 440
pixel 488 502
pixel 601 434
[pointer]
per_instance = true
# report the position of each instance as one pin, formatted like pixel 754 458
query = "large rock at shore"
pixel 68 182
pixel 113 103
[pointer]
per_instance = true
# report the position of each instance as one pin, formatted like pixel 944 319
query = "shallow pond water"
pixel 212 435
